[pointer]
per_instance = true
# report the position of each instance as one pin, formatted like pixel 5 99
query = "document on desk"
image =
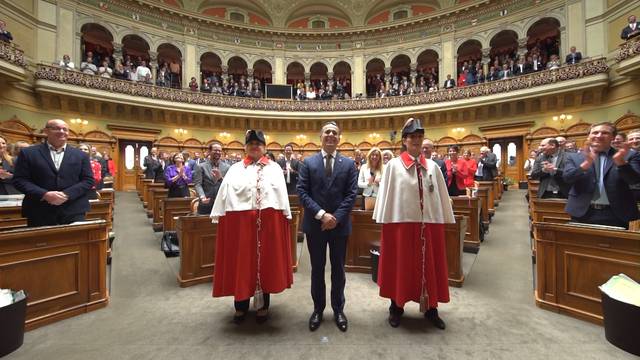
pixel 622 288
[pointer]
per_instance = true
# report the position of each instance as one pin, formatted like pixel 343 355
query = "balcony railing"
pixel 629 49
pixel 546 77
pixel 9 52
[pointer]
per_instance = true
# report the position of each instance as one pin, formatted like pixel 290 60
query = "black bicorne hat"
pixel 411 126
pixel 254 135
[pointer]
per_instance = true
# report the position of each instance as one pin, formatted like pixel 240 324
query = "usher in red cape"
pixel 235 271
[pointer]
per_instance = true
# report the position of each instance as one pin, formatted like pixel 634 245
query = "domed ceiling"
pixel 312 14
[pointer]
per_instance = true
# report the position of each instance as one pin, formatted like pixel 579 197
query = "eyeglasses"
pixel 55 128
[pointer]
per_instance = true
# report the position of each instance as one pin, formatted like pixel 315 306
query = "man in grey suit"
pixel 207 178
pixel 487 165
pixel 548 168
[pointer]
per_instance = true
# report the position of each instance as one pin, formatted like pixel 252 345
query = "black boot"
pixel 432 315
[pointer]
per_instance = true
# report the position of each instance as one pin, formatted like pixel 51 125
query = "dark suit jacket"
pixel 449 84
pixel 151 167
pixel 526 68
pixel 335 195
pixel 616 182
pixel 627 31
pixel 205 185
pixel 293 175
pixel 6 185
pixel 545 178
pixel 573 59
pixel 443 168
pixel 489 167
pixel 35 174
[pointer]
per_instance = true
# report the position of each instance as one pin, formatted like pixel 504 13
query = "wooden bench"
pixel 573 260
pixel 145 192
pixel 62 269
pixel 154 190
pixel 197 237
pixel 171 209
pixel 11 218
pixel 108 195
pixel 470 208
pixel 157 195
pixel 482 193
pixel 491 195
pixel 454 235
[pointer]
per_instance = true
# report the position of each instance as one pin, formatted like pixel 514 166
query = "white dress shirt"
pixel 57 154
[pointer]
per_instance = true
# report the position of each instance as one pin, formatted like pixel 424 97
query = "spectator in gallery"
pixel 4 34
pixel 462 78
pixel 87 65
pixel 632 29
pixel 120 72
pixel 66 63
pixel 553 63
pixel 522 67
pixel 505 73
pixel 193 84
pixel 177 177
pixel 470 78
pixel 104 70
pixel 492 75
pixel 449 83
pixel 480 78
pixel 206 86
pixel 163 77
pixel 573 57
pixel 143 73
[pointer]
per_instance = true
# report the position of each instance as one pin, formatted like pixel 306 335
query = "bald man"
pixel 55 179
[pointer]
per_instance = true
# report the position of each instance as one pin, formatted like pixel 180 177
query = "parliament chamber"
pixel 151 79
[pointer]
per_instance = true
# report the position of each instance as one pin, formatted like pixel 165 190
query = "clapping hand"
pixel 4 174
pixel 216 174
pixel 589 157
pixel 548 167
pixel 619 156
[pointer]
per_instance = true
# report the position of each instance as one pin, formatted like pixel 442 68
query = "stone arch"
pixel 520 33
pixel 385 59
pixel 534 19
pixel 295 71
pixel 482 40
pixel 302 62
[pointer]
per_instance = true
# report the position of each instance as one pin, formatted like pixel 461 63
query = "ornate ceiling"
pixel 301 13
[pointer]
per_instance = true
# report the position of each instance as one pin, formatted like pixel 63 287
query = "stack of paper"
pixel 622 288
pixel 8 297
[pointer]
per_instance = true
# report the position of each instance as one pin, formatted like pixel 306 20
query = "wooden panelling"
pixel 470 208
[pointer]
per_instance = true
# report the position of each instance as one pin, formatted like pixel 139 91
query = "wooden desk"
pixel 153 190
pixel 145 192
pixel 497 190
pixel 172 208
pixel 62 268
pixel 491 196
pixel 197 237
pixel 573 260
pixel 470 208
pixel 549 210
pixel 108 195
pixel 101 210
pixel 139 179
pixel 11 218
pixel 454 236
pixel 482 193
pixel 532 190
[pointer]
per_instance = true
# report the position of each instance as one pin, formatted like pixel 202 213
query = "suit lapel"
pixel 44 151
pixel 337 165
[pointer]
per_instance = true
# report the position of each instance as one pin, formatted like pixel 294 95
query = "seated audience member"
pixel 472 166
pixel 66 63
pixel 457 172
pixel 629 31
pixel 386 156
pixel 548 168
pixel 104 70
pixel 528 164
pixel 207 178
pixel 634 140
pixel 370 176
pixel 96 169
pixel 600 178
pixel 487 165
pixel 55 179
pixel 449 83
pixel 87 66
pixel 177 177
pixel 4 34
pixel 619 140
pixel 573 57
pixel 143 73
pixel 193 84
pixel 6 170
pixel 553 63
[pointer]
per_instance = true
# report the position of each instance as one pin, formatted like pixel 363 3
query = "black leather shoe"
pixel 394 319
pixel 261 319
pixel 315 320
pixel 432 316
pixel 341 321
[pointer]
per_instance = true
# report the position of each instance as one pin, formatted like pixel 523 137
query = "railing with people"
pixel 546 77
pixel 10 52
pixel 628 49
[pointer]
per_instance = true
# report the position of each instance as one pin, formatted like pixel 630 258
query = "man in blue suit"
pixel 327 185
pixel 55 179
pixel 600 177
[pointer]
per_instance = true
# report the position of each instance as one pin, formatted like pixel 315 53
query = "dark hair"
pixel 614 130
pixel 211 145
pixel 624 136
pixel 270 155
pixel 553 142
pixel 290 145
pixel 454 148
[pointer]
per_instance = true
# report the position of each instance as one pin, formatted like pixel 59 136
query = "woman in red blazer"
pixel 457 172
pixel 472 167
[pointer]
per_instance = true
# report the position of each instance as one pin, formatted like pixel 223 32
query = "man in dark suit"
pixel 327 185
pixel 522 67
pixel 631 30
pixel 207 178
pixel 487 165
pixel 55 179
pixel 548 168
pixel 290 167
pixel 427 150
pixel 573 57
pixel 600 178
pixel 151 164
pixel 4 34
pixel 449 83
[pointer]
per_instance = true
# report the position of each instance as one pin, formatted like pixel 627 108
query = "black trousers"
pixel 54 218
pixel 317 246
pixel 243 305
pixel 601 217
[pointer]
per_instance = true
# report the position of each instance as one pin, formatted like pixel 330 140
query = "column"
pixel 307 79
pixel 117 52
pixel 250 78
pixel 65 35
pixel 358 76
pixel 414 72
pixel 153 65
pixel 330 81
pixel 387 78
pixel 449 57
pixel 486 60
pixel 225 74
pixel 575 28
pixel 279 73
pixel 189 63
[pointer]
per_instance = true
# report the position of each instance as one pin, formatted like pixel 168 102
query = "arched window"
pixel 236 16
pixel 400 14
pixel 318 24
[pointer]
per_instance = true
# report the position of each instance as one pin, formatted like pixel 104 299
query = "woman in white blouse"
pixel 370 176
